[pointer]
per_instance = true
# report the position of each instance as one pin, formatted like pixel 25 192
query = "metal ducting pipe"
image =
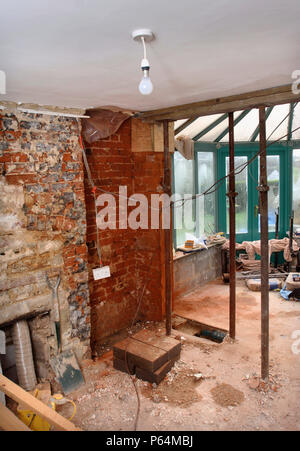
pixel 23 354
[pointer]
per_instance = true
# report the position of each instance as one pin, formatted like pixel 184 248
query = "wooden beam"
pixel 9 421
pixel 19 395
pixel 248 100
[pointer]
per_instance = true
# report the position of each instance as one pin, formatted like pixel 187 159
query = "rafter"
pixel 290 122
pixel 236 121
pixel 256 131
pixel 210 127
pixel 184 125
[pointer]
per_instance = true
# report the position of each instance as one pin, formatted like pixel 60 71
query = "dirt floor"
pixel 213 386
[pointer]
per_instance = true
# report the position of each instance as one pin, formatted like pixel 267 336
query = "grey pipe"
pixel 23 354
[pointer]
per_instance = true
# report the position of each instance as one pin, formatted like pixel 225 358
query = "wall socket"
pixel 101 273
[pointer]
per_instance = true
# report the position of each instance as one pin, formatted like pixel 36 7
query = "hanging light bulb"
pixel 145 86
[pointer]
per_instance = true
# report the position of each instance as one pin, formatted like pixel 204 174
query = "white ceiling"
pixel 79 53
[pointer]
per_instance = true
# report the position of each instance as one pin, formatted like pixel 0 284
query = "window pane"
pixel 273 193
pixel 206 204
pixel 296 186
pixel 184 184
pixel 273 169
pixel 241 201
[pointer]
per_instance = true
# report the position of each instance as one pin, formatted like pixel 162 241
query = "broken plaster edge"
pixel 15 107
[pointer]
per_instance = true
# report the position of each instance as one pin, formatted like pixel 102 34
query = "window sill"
pixel 180 254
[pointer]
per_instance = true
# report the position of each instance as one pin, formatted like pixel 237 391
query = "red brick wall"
pixel 148 180
pixel 129 253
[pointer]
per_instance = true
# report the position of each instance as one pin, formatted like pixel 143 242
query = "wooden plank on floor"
pixel 140 354
pixel 10 422
pixel 168 344
pixel 19 395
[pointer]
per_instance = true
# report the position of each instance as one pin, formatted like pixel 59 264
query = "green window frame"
pixel 285 151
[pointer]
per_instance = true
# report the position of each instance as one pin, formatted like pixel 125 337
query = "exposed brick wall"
pixel 112 299
pixel 149 169
pixel 134 256
pixel 43 217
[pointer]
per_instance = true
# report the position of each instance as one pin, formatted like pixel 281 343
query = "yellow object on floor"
pixel 33 421
pixel 36 423
pixel 59 399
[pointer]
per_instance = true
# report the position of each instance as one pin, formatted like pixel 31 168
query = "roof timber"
pixel 210 127
pixel 290 122
pixel 185 125
pixel 235 122
pixel 253 99
pixel 256 131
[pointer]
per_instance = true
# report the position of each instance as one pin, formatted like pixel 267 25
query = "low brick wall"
pixel 196 269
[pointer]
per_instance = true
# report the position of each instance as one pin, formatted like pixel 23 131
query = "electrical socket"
pixel 101 273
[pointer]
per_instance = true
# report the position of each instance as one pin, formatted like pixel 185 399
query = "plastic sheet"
pixel 102 123
pixel 253 247
pixel 285 293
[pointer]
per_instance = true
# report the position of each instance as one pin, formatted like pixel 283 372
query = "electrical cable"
pixel 94 195
pixel 144 45
pixel 126 348
pixel 237 171
pixel 289 113
pixel 209 190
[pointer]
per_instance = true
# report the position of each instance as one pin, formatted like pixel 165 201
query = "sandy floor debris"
pixel 178 388
pixel 225 395
pixel 108 401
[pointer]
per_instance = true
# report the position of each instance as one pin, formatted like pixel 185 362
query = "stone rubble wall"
pixel 43 228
